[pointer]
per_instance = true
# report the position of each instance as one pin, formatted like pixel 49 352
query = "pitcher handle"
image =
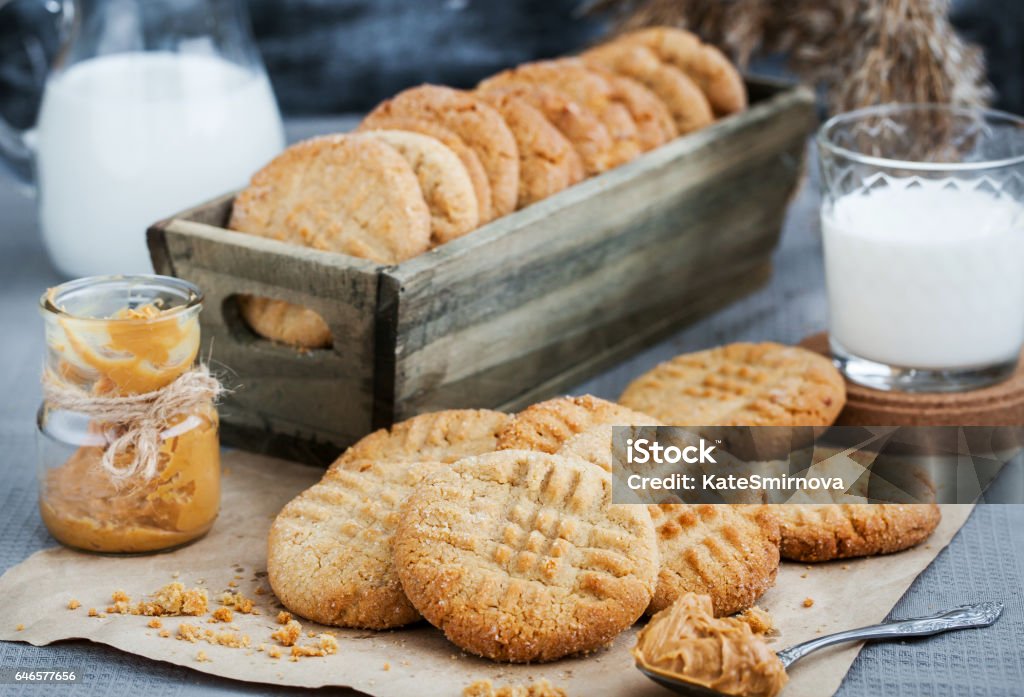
pixel 16 151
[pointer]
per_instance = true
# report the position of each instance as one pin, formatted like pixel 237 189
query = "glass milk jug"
pixel 150 107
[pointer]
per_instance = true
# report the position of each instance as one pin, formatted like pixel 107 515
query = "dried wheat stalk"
pixel 864 51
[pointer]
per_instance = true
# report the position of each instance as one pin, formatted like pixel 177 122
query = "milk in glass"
pixel 926 274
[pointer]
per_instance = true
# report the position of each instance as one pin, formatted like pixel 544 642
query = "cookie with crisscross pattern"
pixel 520 556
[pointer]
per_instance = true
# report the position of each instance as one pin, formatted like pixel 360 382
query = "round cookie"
pixel 282 321
pixel 821 532
pixel 466 154
pixel 728 552
pixel 741 384
pixel 686 103
pixel 476 123
pixel 520 556
pixel 439 436
pixel 654 122
pixel 573 78
pixel 548 162
pixel 329 552
pixel 546 426
pixel 338 194
pixel 579 125
pixel 444 181
pixel 716 76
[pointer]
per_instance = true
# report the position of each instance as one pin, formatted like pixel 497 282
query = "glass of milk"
pixel 151 106
pixel 923 232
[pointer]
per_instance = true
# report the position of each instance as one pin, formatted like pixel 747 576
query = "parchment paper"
pixel 416 660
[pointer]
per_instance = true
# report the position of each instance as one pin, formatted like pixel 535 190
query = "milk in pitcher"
pixel 128 138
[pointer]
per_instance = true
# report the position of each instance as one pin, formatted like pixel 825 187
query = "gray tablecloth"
pixel 985 561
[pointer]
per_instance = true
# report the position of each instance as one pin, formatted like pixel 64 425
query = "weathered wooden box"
pixel 521 309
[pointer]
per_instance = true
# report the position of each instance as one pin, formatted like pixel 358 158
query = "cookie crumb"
pixel 387 667
pixel 203 658
pixel 803 575
pixel 222 614
pixel 164 633
pixel 239 602
pixel 74 604
pixel 274 652
pixel 539 688
pixel 174 599
pixel 155 623
pixel 288 634
pixel 808 602
pixel 759 620
pixel 20 628
pixel 93 613
pixel 189 632
pixel 284 617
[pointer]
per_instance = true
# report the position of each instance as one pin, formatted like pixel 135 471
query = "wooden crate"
pixel 521 309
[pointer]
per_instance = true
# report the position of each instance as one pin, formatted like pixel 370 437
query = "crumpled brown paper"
pixel 416 660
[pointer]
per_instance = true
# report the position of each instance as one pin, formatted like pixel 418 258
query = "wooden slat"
pixel 323 396
pixel 527 306
pixel 541 297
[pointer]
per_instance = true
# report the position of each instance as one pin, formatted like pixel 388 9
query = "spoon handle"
pixel 963 617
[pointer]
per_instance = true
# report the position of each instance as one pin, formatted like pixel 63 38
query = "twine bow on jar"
pixel 134 422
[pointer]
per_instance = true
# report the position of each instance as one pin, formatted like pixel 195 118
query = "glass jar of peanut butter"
pixel 129 457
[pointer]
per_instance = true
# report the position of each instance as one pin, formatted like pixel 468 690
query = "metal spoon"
pixel 963 617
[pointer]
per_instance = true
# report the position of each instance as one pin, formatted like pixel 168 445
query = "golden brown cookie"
pixel 520 556
pixel 573 78
pixel 329 554
pixel 716 76
pixel 329 551
pixel 290 324
pixel 728 552
pixel 339 194
pixel 686 103
pixel 444 181
pixel 548 162
pixel 546 426
pixel 439 436
pixel 820 532
pixel 654 122
pixel 579 125
pixel 741 385
pixel 476 123
pixel 468 156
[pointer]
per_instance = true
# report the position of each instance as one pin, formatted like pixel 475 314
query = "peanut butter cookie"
pixel 820 532
pixel 439 436
pixel 548 162
pixel 575 80
pixel 466 154
pixel 716 76
pixel 654 122
pixel 546 426
pixel 282 321
pixel 686 103
pixel 476 123
pixel 329 553
pixel 444 181
pixel 728 552
pixel 338 194
pixel 520 556
pixel 741 385
pixel 579 125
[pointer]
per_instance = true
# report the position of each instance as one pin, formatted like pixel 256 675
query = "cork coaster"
pixel 1001 404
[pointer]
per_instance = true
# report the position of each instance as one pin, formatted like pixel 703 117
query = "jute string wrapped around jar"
pixel 133 423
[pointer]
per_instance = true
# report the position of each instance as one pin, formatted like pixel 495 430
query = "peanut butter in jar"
pixel 129 456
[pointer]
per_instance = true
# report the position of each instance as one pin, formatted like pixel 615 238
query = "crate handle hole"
pixel 251 318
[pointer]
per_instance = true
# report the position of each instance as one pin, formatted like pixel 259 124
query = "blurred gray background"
pixel 335 56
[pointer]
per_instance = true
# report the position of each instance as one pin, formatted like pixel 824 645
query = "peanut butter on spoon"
pixel 688 643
